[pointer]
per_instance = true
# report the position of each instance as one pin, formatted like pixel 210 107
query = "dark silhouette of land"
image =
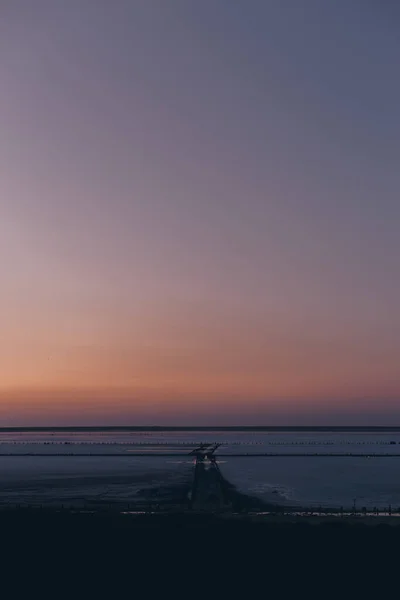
pixel 178 553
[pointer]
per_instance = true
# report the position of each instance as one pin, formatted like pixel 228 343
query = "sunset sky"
pixel 199 212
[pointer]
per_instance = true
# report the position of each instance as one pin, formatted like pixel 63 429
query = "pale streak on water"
pixel 296 481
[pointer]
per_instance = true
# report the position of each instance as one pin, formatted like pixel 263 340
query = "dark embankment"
pixel 160 556
pixel 175 536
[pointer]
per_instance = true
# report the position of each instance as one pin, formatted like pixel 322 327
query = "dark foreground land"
pixel 186 554
pixel 191 535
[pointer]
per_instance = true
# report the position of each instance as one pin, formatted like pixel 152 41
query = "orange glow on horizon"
pixel 187 238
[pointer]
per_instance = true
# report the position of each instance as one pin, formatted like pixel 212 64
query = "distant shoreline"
pixel 162 428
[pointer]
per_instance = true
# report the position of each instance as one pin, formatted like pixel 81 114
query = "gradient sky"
pixel 199 212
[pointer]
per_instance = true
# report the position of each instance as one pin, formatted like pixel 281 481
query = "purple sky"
pixel 199 211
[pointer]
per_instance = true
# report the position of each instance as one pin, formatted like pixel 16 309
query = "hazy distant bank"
pixel 272 428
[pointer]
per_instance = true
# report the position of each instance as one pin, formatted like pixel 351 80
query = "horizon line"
pixel 203 428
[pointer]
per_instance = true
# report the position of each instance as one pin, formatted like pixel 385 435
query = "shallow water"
pixel 120 476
